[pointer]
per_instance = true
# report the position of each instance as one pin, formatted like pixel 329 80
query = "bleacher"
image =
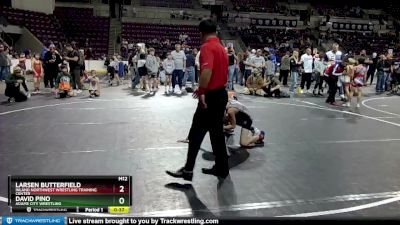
pixel 44 27
pixel 265 6
pixel 140 32
pixel 169 3
pixel 79 24
pixel 355 42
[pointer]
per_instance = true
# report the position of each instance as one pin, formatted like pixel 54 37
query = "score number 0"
pixel 122 199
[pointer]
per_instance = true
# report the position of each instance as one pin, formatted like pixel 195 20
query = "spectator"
pixel 13 86
pixel 51 61
pixel 37 68
pixel 190 69
pixel 284 68
pixel 179 58
pixel 4 69
pixel 75 70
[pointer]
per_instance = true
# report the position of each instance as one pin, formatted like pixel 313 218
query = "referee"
pixel 210 111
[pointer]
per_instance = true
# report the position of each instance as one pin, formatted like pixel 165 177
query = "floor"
pixel 317 161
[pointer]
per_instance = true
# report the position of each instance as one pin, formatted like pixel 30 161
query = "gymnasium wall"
pixel 43 6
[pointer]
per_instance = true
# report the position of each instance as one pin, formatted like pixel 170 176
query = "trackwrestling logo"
pixel 9 220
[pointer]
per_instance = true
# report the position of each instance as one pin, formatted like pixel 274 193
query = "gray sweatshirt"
pixel 152 64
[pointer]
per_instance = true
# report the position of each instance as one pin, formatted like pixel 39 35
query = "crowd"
pixel 161 45
pixel 174 69
pixel 263 72
pixel 63 72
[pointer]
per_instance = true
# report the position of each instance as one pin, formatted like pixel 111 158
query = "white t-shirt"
pixel 258 61
pixel 141 63
pixel 179 58
pixel 307 63
pixel 248 60
pixel 334 56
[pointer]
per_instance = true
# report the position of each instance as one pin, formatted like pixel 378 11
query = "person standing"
pixel 319 68
pixel 152 66
pixel 3 63
pixel 190 69
pixel 232 66
pixel 197 60
pixel 247 68
pixel 258 61
pixel 169 67
pixel 213 98
pixel 51 61
pixel 383 68
pixel 37 69
pixel 75 70
pixel 179 58
pixel 371 68
pixel 294 70
pixel 308 62
pixel 285 67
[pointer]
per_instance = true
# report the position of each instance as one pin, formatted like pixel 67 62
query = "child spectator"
pixel 142 70
pixel 22 63
pixel 64 83
pixel 94 84
pixel 169 67
pixel 37 67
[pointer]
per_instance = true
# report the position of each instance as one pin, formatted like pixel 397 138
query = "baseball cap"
pixel 253 51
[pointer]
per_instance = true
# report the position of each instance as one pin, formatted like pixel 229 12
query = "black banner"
pixel 209 221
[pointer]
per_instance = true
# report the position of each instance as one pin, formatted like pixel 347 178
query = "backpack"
pixel 65 84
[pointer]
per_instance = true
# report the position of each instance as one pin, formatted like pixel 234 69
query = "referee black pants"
pixel 210 120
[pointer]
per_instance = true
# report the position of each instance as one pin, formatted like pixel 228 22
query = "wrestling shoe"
pixel 347 104
pixel 261 137
pixel 11 100
pixel 358 105
pixel 181 173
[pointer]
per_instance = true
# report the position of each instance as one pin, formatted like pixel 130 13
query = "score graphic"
pixel 97 194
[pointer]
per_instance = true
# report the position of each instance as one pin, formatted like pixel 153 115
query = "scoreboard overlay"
pixel 97 194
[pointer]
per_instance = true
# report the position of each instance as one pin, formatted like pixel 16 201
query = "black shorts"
pixel 142 71
pixel 244 120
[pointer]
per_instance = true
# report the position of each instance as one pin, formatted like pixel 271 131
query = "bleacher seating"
pixel 371 42
pixel 44 27
pixel 169 3
pixel 267 6
pixel 79 24
pixel 139 32
pixel 275 38
pixel 338 10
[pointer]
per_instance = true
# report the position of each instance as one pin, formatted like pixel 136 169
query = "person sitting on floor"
pixel 13 86
pixel 254 84
pixel 237 114
pixel 64 83
pixel 272 87
pixel 94 84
